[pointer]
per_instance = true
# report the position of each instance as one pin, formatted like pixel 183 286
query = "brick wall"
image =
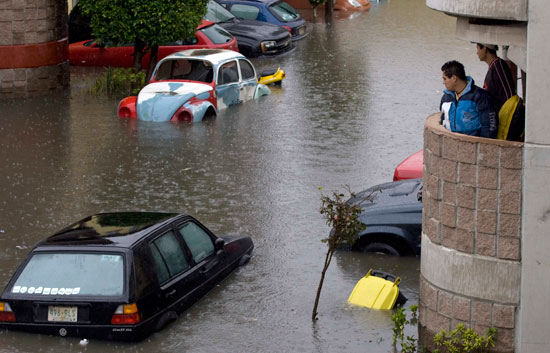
pixel 29 22
pixel 472 205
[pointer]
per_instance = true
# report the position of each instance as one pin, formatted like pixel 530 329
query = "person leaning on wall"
pixel 499 81
pixel 501 86
pixel 466 107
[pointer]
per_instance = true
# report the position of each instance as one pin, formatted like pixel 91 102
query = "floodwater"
pixel 352 107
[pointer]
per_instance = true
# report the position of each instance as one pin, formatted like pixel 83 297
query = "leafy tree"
pixel 145 23
pixel 342 217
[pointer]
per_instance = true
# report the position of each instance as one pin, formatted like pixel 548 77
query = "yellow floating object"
pixel 276 77
pixel 375 292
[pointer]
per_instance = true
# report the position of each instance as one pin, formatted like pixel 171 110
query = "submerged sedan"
pixel 90 53
pixel 118 276
pixel 276 12
pixel 189 85
pixel 254 38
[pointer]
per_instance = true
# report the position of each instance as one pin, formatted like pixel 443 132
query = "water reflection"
pixel 352 106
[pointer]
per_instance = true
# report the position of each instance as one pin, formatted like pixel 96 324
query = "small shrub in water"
pixel 119 82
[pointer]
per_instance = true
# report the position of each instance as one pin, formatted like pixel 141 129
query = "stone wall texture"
pixel 472 206
pixel 25 23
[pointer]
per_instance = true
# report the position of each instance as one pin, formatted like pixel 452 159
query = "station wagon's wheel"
pixel 244 260
pixel 382 248
pixel 165 319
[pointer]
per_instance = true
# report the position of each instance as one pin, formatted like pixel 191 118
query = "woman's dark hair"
pixel 453 67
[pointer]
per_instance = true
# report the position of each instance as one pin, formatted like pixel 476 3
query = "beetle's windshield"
pixel 72 274
pixel 185 69
pixel 217 13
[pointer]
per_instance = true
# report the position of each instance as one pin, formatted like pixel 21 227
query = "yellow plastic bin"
pixel 376 291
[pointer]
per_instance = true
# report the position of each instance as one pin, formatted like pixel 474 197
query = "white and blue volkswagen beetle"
pixel 191 84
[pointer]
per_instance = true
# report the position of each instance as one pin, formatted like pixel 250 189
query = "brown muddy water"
pixel 352 107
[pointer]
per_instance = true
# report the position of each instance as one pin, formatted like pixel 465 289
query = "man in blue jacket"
pixel 466 107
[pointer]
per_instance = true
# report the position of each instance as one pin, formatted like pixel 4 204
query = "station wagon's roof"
pixel 123 228
pixel 215 56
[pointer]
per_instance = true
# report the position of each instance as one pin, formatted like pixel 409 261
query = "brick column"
pixel 471 256
pixel 33 47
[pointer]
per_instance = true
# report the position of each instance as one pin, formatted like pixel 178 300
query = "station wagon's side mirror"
pixel 220 244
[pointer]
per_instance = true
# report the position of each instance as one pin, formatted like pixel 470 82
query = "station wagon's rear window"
pixel 72 274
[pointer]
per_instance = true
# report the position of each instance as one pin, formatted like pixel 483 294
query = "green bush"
pixel 459 340
pixel 119 82
pixel 465 340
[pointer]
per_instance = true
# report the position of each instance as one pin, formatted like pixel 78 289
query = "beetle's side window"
pixel 245 11
pixel 228 73
pixel 198 241
pixel 169 257
pixel 247 71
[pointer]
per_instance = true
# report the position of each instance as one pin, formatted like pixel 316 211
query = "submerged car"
pixel 118 276
pixel 276 12
pixel 410 168
pixel 91 53
pixel 352 5
pixel 254 38
pixel 188 85
pixel 392 213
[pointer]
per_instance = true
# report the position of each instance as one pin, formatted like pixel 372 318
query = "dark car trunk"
pixel 88 312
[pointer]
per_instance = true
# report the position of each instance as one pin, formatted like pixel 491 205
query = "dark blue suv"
pixel 276 12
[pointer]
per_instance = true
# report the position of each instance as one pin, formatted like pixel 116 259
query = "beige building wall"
pixel 522 282
pixel 533 335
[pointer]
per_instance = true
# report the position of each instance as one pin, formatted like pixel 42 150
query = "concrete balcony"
pixel 511 10
pixel 471 234
pixel 502 22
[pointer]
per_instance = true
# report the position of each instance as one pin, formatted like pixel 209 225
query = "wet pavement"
pixel 352 107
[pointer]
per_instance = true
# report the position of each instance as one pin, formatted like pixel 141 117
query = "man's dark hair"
pixel 453 67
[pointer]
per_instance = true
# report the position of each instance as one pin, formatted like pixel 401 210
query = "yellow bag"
pixel 511 120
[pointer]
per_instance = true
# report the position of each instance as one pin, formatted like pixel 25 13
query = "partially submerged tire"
pixel 244 260
pixel 382 248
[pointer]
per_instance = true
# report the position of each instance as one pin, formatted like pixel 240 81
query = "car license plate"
pixel 62 313
pixel 301 30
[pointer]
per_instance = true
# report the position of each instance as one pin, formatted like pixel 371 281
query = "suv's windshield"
pixel 72 274
pixel 285 11
pixel 217 13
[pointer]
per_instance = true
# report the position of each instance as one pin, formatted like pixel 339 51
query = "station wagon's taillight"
pixel 126 315
pixel 6 314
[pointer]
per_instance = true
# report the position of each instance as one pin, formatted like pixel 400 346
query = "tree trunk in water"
pixel 329 6
pixel 139 48
pixel 325 268
pixel 152 62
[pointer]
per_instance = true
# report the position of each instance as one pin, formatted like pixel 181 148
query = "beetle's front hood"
pixel 159 101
